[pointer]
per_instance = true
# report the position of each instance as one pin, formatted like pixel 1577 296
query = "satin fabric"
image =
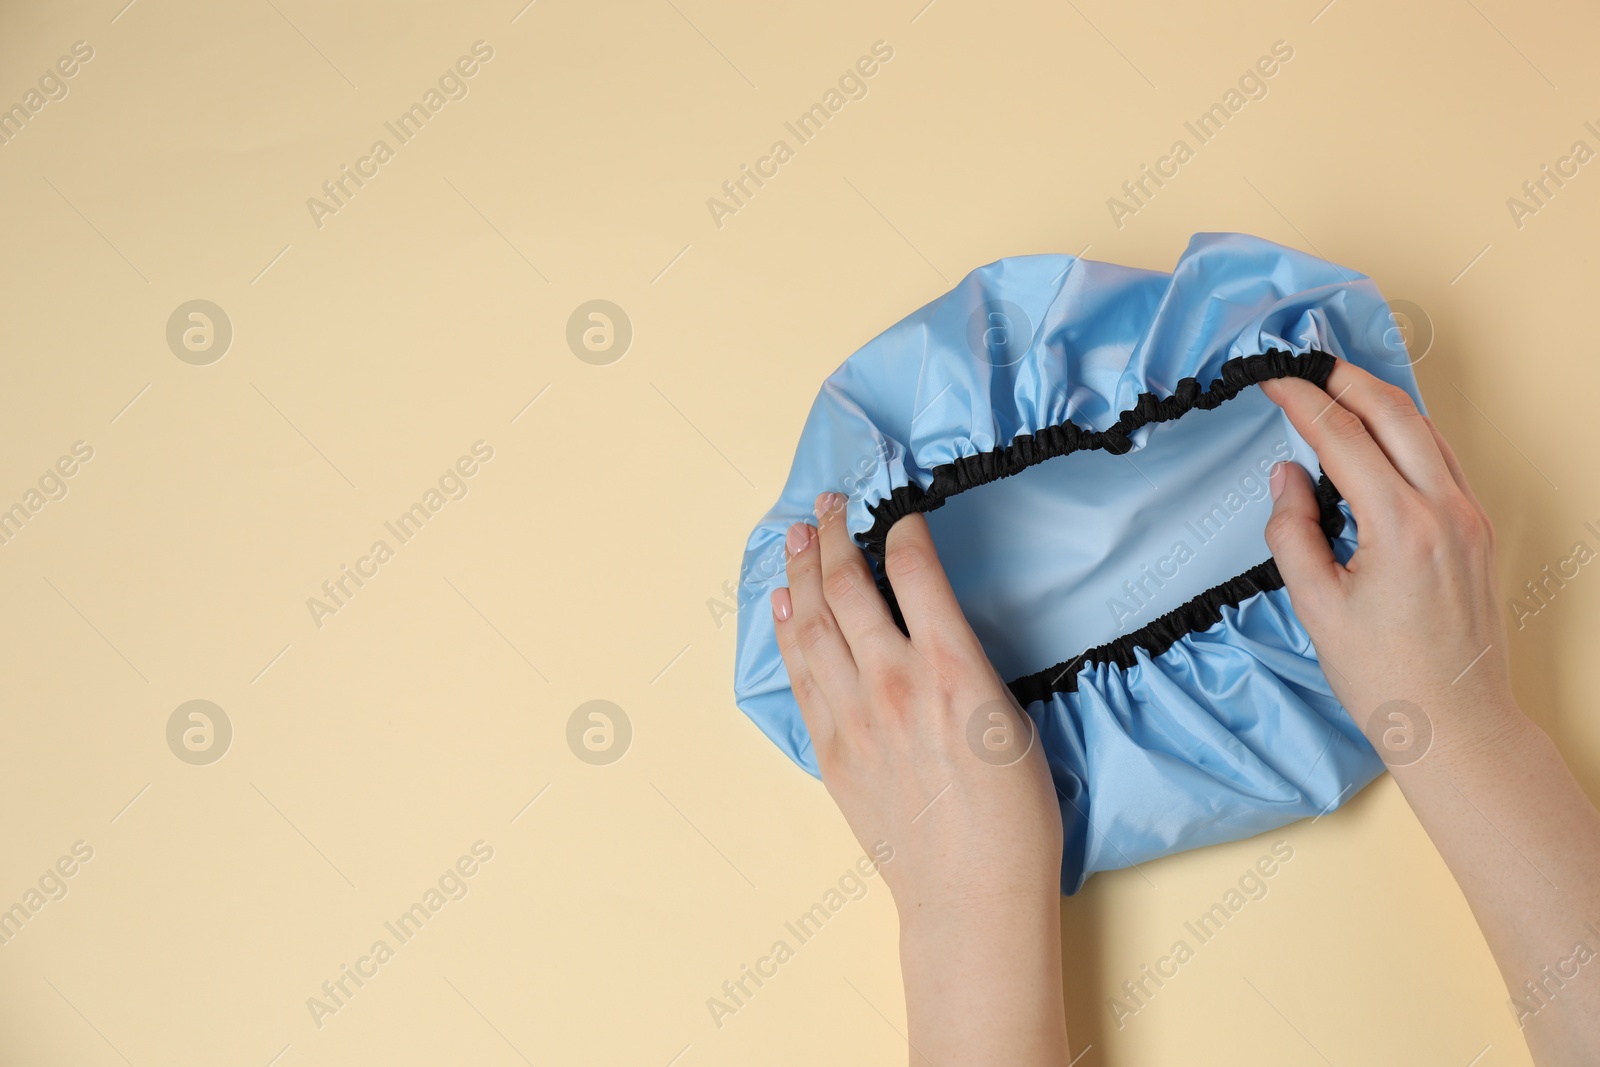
pixel 1232 731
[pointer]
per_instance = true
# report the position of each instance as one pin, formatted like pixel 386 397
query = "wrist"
pixel 983 980
pixel 1004 924
pixel 1466 736
pixel 953 897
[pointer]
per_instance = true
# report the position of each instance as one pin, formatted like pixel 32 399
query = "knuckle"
pixel 953 657
pixel 892 687
pixel 798 567
pixel 950 651
pixel 1395 402
pixel 838 584
pixel 1342 426
pixel 1424 536
pixel 1469 523
pixel 909 562
pixel 813 630
pixel 1280 529
pixel 1459 515
pixel 805 689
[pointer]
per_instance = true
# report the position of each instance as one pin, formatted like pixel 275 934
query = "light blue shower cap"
pixel 1092 454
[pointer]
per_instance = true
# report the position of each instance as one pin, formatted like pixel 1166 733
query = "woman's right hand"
pixel 1411 639
pixel 1412 622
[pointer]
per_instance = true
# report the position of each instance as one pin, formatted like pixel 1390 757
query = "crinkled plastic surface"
pixel 1232 730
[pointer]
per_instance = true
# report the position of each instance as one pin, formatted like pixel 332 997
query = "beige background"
pixel 588 558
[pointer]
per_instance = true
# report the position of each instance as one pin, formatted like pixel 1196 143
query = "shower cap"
pixel 1092 455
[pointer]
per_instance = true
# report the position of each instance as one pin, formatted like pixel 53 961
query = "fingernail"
pixel 782 607
pixel 827 503
pixel 1275 479
pixel 798 537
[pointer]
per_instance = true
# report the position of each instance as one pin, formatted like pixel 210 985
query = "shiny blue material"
pixel 1231 732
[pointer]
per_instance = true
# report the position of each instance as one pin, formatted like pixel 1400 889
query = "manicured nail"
pixel 1275 479
pixel 798 537
pixel 782 608
pixel 827 503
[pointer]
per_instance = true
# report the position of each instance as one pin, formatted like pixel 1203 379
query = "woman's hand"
pixel 1413 643
pixel 1413 620
pixel 974 826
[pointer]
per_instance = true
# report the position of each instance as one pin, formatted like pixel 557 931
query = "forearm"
pixel 976 842
pixel 1523 842
pixel 983 985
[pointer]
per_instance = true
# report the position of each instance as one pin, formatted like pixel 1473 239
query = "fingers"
pixel 1346 450
pixel 927 603
pixel 1391 417
pixel 1452 463
pixel 1294 533
pixel 815 633
pixel 848 585
pixel 814 707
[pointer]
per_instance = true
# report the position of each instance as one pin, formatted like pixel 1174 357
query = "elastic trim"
pixel 1027 450
pixel 1162 632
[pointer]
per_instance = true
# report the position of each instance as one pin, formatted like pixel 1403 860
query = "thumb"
pixel 1294 533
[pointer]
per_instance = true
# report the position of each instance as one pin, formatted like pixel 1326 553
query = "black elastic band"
pixel 1164 631
pixel 1028 450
